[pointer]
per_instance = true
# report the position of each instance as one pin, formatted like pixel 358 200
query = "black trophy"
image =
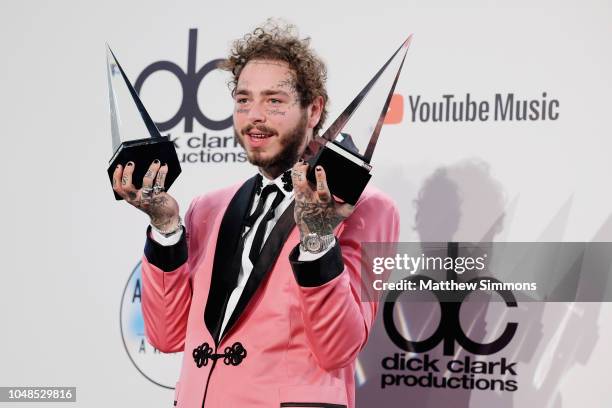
pixel 141 151
pixel 346 166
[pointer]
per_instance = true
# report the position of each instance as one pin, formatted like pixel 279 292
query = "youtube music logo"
pixel 395 113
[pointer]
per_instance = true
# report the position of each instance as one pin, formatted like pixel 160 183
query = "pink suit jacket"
pixel 298 327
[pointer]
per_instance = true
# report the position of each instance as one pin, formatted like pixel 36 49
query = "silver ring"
pixel 146 192
pixel 158 189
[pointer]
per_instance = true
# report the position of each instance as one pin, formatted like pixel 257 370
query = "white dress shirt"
pixel 246 265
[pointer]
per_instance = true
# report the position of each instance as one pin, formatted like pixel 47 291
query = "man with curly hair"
pixel 263 320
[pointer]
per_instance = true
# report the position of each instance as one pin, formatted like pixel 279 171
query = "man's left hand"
pixel 316 210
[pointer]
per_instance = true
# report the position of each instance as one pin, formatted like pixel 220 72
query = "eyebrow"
pixel 267 92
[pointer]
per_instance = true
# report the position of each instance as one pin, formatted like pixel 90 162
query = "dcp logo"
pixel 449 329
pixel 190 82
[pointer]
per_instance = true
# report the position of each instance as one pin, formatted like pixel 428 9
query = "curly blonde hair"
pixel 277 41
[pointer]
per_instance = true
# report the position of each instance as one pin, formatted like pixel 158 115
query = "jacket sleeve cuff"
pixel 166 258
pixel 319 271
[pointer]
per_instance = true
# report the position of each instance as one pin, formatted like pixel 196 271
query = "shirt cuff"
pixel 306 256
pixel 319 271
pixel 166 258
pixel 166 241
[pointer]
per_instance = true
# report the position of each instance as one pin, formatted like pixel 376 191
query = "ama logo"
pixel 159 368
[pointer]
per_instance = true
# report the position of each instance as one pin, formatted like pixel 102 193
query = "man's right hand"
pixel 151 198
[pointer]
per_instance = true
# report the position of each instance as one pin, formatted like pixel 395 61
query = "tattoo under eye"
pixel 242 110
pixel 276 112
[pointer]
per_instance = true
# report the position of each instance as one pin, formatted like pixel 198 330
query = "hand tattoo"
pixel 156 210
pixel 319 217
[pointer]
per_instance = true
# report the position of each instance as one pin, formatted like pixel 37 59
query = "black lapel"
pixel 225 272
pixel 269 253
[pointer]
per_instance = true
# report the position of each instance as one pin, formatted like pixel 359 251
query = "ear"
pixel 314 111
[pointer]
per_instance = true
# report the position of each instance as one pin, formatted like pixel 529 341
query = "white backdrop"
pixel 69 249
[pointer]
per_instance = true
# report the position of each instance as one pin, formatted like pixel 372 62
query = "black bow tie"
pixel 287 181
pixel 285 178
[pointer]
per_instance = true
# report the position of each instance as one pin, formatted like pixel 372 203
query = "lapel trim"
pixel 268 256
pixel 224 272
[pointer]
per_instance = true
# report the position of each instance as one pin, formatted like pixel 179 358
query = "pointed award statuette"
pixel 341 150
pixel 130 123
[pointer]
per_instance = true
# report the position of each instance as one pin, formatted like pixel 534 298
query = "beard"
pixel 291 143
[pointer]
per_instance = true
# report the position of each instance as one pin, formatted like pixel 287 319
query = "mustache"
pixel 261 128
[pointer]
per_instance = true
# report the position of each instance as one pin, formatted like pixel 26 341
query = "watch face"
pixel 313 244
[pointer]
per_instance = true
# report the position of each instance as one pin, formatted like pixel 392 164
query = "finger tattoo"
pixel 297 174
